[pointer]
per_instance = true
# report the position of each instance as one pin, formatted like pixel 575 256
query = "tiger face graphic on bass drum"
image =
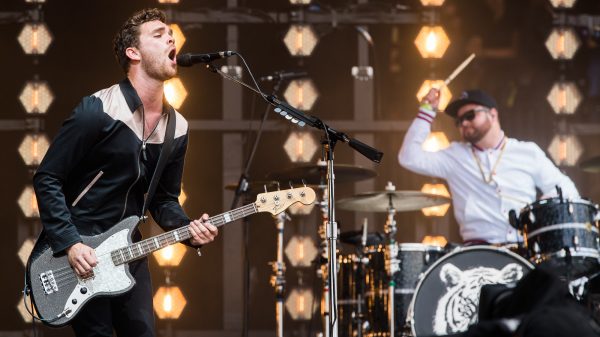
pixel 457 308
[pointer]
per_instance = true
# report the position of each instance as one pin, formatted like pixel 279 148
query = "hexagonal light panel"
pixel 445 94
pixel 182 196
pixel 300 40
pixel 299 304
pixel 432 42
pixel 36 97
pixel 564 97
pixel 435 141
pixel 300 2
pixel 301 94
pixel 25 250
pixel 178 35
pixel 565 150
pixel 300 147
pixel 175 92
pixel 435 240
pixel 563 3
pixel 169 302
pixel 562 43
pixel 432 3
pixel 28 203
pixel 168 1
pixel 170 256
pixel 301 251
pixel 35 38
pixel 33 148
pixel 437 189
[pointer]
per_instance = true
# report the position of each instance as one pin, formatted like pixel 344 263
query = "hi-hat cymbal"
pixel 401 201
pixel 591 165
pixel 316 174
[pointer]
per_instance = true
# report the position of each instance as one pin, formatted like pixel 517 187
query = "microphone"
pixel 282 75
pixel 189 59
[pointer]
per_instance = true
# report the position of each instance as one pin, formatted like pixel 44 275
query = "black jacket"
pixel 95 173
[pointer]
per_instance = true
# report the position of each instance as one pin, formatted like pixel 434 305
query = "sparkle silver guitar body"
pixel 59 294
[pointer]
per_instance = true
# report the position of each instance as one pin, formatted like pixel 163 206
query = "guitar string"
pixel 67 272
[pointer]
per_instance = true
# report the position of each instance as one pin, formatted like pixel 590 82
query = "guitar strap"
pixel 162 159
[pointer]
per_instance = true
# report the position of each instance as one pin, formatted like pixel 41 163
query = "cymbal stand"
pixel 392 264
pixel 277 278
pixel 332 230
pixel 324 255
pixel 362 261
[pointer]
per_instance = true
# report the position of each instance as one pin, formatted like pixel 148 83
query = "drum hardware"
pixel 277 279
pixel 392 263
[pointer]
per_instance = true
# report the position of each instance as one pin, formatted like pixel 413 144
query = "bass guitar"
pixel 58 293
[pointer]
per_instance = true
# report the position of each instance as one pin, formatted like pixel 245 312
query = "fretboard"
pixel 142 248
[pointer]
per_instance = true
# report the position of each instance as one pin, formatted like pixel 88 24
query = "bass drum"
pixel 446 300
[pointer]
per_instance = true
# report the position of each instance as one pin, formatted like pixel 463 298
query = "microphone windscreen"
pixel 184 60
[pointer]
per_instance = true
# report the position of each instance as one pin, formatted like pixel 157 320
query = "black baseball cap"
pixel 470 97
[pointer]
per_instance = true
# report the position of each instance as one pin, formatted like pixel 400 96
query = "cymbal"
pixel 355 237
pixel 591 165
pixel 402 201
pixel 316 174
pixel 255 186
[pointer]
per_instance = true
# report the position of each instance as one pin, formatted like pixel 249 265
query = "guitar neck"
pixel 145 247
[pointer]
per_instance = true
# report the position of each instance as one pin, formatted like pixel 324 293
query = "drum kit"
pixel 387 288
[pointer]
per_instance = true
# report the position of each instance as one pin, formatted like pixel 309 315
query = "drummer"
pixel 488 173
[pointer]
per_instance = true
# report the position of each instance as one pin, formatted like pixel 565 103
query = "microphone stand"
pixel 242 188
pixel 332 136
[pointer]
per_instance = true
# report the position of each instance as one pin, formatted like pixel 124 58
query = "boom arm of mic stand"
pixel 298 117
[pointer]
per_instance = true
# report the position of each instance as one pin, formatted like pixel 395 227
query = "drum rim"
pixel 543 202
pixel 419 247
pixel 411 312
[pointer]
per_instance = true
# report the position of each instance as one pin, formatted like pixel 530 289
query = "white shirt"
pixel 481 208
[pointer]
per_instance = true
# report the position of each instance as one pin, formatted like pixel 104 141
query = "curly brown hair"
pixel 129 34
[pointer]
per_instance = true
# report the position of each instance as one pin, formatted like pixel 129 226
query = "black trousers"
pixel 130 314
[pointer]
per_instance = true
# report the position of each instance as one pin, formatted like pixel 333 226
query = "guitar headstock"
pixel 278 201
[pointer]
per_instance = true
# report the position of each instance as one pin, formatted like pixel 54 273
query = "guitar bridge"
pixel 48 282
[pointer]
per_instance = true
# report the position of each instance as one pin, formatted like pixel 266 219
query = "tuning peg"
pixel 304 182
pixel 265 186
pixel 291 186
pixel 278 187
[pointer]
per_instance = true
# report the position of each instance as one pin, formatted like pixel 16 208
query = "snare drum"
pixel 446 300
pixel 562 234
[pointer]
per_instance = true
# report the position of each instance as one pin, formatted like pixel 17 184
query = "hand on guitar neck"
pixel 202 231
pixel 82 258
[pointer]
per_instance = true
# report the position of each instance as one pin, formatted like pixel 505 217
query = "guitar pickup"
pixel 48 282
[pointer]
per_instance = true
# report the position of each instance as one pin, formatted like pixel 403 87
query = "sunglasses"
pixel 469 116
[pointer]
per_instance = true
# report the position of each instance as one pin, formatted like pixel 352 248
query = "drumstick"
pixel 458 70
